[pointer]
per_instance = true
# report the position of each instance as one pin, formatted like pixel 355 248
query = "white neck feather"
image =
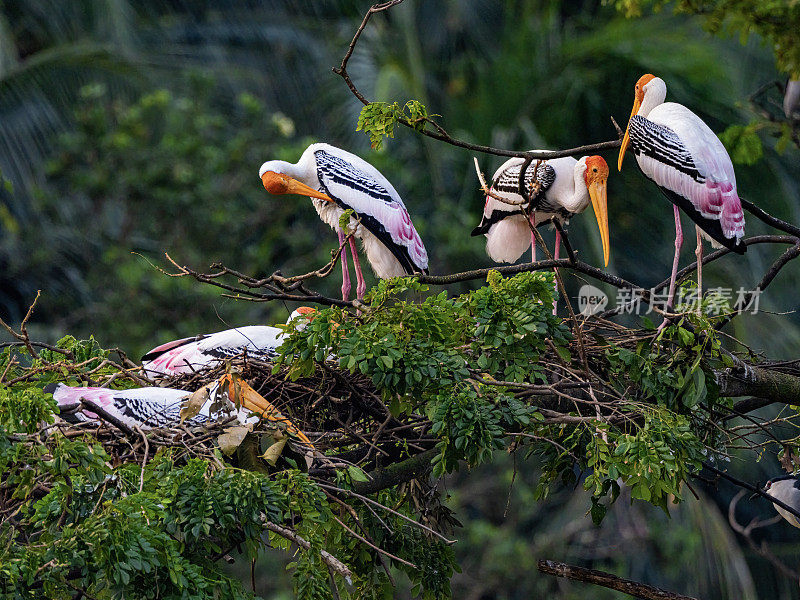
pixel 579 199
pixel 655 92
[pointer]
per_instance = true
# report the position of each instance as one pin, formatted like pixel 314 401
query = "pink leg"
pixel 533 247
pixel 555 255
pixel 698 252
pixel 345 270
pixel 361 285
pixel 678 244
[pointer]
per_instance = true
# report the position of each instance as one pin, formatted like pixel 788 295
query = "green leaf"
pixel 357 474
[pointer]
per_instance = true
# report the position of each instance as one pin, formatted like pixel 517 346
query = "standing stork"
pixel 680 153
pixel 566 187
pixel 336 181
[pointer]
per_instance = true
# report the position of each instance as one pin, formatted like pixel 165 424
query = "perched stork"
pixel 154 407
pixel 681 154
pixel 208 350
pixel 787 490
pixel 566 186
pixel 336 180
pixel 145 407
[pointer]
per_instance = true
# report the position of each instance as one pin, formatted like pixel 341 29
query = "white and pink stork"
pixel 154 407
pixel 336 181
pixel 145 407
pixel 566 187
pixel 680 153
pixel 187 355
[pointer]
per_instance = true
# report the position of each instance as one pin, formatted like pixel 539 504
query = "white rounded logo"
pixel 591 300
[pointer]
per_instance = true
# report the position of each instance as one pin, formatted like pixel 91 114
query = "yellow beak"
pixel 598 194
pixel 627 139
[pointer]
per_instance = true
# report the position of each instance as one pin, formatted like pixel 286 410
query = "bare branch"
pixel 601 578
pixel 330 560
pixel 439 133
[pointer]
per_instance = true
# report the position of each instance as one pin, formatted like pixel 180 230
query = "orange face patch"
pixel 275 183
pixel 643 81
pixel 596 169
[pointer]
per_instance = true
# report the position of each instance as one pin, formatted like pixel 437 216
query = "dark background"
pixel 131 128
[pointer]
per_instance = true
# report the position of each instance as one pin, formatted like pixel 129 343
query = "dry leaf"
pixel 195 403
pixel 232 438
pixel 274 451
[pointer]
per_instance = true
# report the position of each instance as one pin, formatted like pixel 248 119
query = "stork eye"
pixel 594 170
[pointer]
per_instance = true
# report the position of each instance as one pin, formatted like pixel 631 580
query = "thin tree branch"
pixel 763 549
pixel 440 134
pixel 330 560
pixel 601 578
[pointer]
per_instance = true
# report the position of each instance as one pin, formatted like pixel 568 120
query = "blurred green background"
pixel 133 127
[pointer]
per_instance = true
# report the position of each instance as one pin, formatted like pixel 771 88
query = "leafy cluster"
pixel 775 21
pixel 457 360
pixel 377 119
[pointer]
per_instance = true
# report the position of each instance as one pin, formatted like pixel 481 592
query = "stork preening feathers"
pixel 336 181
pixel 681 154
pixel 566 186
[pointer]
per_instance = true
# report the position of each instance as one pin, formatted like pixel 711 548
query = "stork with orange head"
pixel 679 152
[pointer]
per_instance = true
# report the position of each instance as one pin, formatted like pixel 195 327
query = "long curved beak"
pixel 627 139
pixel 296 187
pixel 598 194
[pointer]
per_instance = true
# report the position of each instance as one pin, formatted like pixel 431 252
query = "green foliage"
pixel 743 143
pixel 431 353
pixel 135 180
pixel 776 21
pixel 377 119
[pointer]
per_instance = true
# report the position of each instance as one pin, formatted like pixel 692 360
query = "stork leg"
pixel 678 244
pixel 532 219
pixel 555 255
pixel 361 285
pixel 345 270
pixel 698 252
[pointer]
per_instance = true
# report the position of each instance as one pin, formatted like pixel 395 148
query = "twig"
pixel 752 488
pixel 439 133
pixel 601 578
pixel 364 540
pixel 330 560
pixel 763 549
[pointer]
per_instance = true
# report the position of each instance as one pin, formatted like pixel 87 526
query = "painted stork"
pixel 566 187
pixel 209 350
pixel 336 180
pixel 154 407
pixel 681 154
pixel 145 407
pixel 787 490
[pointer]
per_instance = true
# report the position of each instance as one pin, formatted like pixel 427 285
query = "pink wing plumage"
pixel 360 186
pixel 714 198
pixel 194 354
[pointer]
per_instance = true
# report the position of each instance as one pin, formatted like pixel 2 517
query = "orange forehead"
pixel 275 183
pixel 305 310
pixel 596 167
pixel 643 81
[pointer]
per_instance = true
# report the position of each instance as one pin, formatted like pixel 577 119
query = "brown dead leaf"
pixel 194 404
pixel 274 451
pixel 232 438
